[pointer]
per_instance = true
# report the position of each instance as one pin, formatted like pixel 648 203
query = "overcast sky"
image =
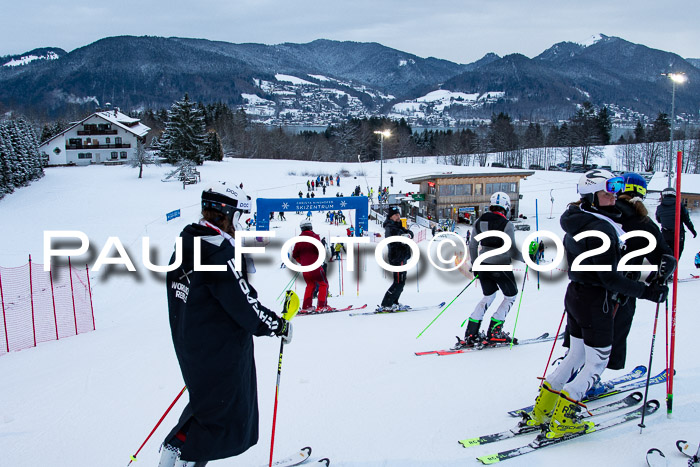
pixel 460 31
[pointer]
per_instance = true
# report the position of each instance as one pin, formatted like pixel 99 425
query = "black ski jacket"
pixel 399 253
pixel 631 221
pixel 666 215
pixel 577 219
pixel 213 318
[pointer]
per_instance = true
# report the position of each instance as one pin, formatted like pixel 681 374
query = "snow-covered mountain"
pixel 334 80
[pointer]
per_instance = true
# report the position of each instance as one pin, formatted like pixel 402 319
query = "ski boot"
pixel 495 334
pixel 566 419
pixel 168 455
pixel 400 307
pixel 541 413
pixel 472 336
pixel 307 311
pixel 597 389
pixel 325 309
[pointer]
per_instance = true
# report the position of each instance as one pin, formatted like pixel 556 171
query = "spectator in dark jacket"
pixel 213 318
pixel 666 216
pixel 399 254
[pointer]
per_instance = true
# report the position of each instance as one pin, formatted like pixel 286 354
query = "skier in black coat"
pixel 666 216
pixel 589 304
pixel 213 318
pixel 398 255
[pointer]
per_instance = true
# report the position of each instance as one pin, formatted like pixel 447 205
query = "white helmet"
pixel 231 201
pixel 306 225
pixel 501 200
pixel 668 192
pixel 597 180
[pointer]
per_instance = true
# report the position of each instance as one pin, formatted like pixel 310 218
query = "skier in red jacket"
pixel 305 254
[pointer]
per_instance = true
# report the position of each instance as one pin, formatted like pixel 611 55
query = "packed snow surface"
pixel 351 387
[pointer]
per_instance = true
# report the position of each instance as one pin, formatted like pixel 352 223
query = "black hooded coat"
pixel 213 318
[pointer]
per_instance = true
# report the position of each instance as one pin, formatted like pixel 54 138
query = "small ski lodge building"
pixel 690 189
pixel 463 197
pixel 105 137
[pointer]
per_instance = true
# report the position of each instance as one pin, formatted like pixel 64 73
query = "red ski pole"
pixel 133 458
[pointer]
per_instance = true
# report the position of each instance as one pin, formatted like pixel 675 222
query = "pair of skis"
pixel 625 383
pixel 453 351
pixel 299 458
pixel 330 310
pixel 389 312
pixel 541 441
pixel 656 458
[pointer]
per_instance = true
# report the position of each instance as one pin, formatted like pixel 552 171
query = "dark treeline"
pixel 513 144
pixel 20 161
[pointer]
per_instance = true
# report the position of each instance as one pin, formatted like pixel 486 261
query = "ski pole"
pixel 651 355
pixel 522 290
pixel 537 227
pixel 291 306
pixel 287 286
pixel 546 367
pixel 133 458
pixel 443 310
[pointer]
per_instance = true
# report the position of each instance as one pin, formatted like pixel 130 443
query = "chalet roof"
pixel 487 172
pixel 690 183
pixel 130 124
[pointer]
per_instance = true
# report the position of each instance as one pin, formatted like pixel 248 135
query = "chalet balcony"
pixel 98 146
pixel 96 132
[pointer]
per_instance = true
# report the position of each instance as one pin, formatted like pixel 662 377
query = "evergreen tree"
pixel 604 125
pixel 213 151
pixel 639 133
pixel 184 135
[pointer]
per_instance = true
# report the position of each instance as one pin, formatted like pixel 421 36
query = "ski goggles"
pixel 611 185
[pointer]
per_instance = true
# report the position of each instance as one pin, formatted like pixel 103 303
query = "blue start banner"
pixel 172 215
pixel 267 205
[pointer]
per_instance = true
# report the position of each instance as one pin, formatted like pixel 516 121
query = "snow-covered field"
pixel 351 387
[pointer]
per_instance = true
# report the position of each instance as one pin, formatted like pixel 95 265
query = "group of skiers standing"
pixel 322 181
pixel 214 314
pixel 599 304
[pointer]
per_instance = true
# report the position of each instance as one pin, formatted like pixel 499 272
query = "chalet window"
pixel 87 140
pixel 122 155
pixel 447 190
pixel 117 140
pixel 114 155
pixel 107 140
pixel 463 190
pixel 490 189
pixel 478 189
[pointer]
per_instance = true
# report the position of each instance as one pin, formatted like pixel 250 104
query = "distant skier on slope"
pixel 495 219
pixel 399 254
pixel 589 305
pixel 306 254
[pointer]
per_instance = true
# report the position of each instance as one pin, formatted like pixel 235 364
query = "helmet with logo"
pixel 668 192
pixel 306 225
pixel 635 184
pixel 597 180
pixel 501 200
pixel 230 201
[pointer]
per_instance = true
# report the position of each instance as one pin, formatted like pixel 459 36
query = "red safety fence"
pixel 39 306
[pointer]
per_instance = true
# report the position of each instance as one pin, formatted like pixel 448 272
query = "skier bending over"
pixel 495 219
pixel 213 318
pixel 589 305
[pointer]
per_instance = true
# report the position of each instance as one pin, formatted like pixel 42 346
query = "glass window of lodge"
pixel 107 140
pixel 478 189
pixel 118 140
pixel 114 155
pixel 463 190
pixel 122 155
pixel 447 190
